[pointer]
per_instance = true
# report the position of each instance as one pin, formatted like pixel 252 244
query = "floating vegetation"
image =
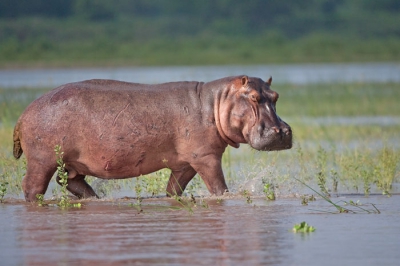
pixel 303 227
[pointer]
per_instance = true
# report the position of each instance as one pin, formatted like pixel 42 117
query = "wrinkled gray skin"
pixel 112 129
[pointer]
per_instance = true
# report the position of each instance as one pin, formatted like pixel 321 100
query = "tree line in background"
pixel 149 32
pixel 365 18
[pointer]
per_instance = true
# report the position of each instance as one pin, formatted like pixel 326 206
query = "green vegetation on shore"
pixel 195 51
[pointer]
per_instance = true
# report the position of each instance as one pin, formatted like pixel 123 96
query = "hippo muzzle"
pixel 274 138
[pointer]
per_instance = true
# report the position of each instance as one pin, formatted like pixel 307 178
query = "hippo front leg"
pixel 179 180
pixel 210 170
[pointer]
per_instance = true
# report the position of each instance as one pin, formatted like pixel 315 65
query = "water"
pixel 295 73
pixel 228 233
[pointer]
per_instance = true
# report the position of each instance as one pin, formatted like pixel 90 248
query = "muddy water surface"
pixel 230 232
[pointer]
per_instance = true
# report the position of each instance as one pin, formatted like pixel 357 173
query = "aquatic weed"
pixel 321 171
pixel 341 209
pixel 333 172
pixel 64 201
pixel 3 190
pixel 269 191
pixel 385 169
pixel 307 198
pixel 155 184
pixel 246 194
pixel 357 169
pixel 12 172
pixel 40 200
pixel 303 227
pixel 301 161
pixel 185 204
pixel 63 177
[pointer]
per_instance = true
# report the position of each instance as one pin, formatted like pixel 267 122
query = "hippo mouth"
pixel 273 139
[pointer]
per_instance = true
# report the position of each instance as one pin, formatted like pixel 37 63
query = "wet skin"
pixel 112 129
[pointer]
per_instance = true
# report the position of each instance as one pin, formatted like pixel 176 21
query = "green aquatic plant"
pixel 63 178
pixel 64 201
pixel 303 227
pixel 301 161
pixel 40 200
pixel 341 209
pixel 154 184
pixel 11 171
pixel 356 169
pixel 358 205
pixel 335 180
pixel 321 168
pixel 307 198
pixel 3 190
pixel 246 194
pixel 269 191
pixel 185 204
pixel 333 172
pixel 385 169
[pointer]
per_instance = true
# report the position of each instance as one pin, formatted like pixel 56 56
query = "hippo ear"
pixel 245 79
pixel 269 81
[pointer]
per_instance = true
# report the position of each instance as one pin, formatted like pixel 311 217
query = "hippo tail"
pixel 17 141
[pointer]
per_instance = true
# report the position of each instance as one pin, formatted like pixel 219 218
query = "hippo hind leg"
pixel 78 186
pixel 37 179
pixel 179 180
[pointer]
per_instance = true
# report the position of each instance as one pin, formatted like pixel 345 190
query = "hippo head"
pixel 247 114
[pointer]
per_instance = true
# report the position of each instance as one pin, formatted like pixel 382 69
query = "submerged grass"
pixel 333 147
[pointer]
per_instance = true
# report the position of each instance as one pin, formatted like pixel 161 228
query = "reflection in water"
pixel 97 233
pixel 228 233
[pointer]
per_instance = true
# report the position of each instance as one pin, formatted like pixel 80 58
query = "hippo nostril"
pixel 276 129
pixel 287 131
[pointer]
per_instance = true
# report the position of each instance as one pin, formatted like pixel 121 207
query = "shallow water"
pixel 231 232
pixel 290 73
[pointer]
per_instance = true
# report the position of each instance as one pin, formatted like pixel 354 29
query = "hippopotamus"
pixel 113 129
